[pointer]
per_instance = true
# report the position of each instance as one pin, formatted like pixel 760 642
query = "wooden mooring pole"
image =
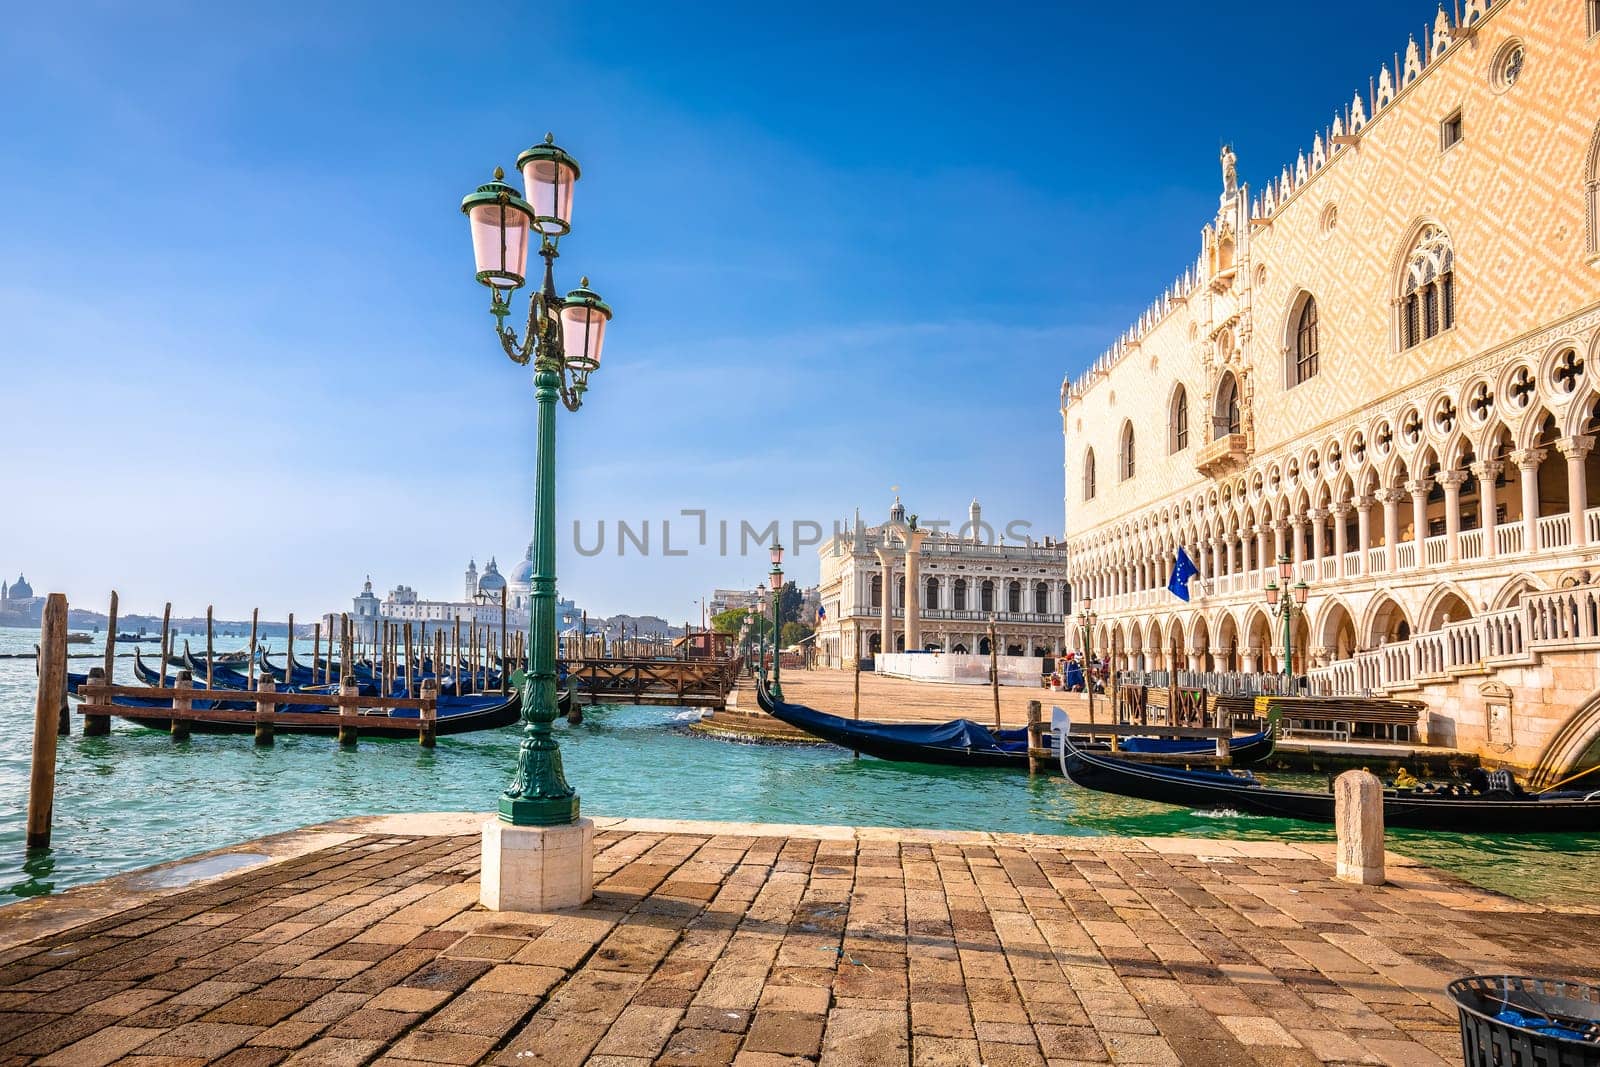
pixel 994 671
pixel 255 614
pixel 1035 721
pixel 46 720
pixel 211 652
pixel 166 648
pixel 111 640
pixel 855 705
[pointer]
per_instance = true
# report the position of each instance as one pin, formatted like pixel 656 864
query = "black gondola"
pixel 1496 811
pixel 962 742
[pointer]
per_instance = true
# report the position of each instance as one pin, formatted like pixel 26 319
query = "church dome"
pixel 20 589
pixel 522 573
pixel 492 581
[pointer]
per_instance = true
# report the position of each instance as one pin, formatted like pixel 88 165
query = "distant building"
pixel 728 599
pixel 958 582
pixel 18 605
pixel 482 592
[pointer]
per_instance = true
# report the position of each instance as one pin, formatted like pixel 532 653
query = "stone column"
pixel 1341 546
pixel 1527 461
pixel 1487 471
pixel 1451 480
pixel 885 556
pixel 1364 534
pixel 1262 560
pixel 1418 488
pixel 1280 526
pixel 1316 515
pixel 1576 449
pixel 1232 557
pixel 913 621
pixel 1391 527
pixel 1299 554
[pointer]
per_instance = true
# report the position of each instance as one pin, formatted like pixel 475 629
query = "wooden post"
pixel 46 720
pixel 111 640
pixel 855 704
pixel 316 651
pixel 428 717
pixel 288 659
pixel 472 650
pixel 411 677
pixel 166 620
pixel 1172 684
pixel 265 707
pixel 345 668
pixel 182 706
pixel 97 725
pixel 349 691
pixel 211 652
pixel 455 657
pixel 1035 721
pixel 255 614
pixel 994 671
pixel 504 669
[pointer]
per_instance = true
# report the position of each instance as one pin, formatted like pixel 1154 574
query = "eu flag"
pixel 1183 569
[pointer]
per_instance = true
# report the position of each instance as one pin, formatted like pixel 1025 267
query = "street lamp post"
pixel 562 339
pixel 1086 620
pixel 775 578
pixel 1286 608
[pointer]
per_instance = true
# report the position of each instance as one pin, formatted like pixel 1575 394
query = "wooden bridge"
pixel 694 683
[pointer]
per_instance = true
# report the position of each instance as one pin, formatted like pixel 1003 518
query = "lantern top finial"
pixel 499 174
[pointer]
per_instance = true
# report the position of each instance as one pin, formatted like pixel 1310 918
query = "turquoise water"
pixel 136 797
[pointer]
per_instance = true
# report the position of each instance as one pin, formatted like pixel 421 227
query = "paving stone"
pixel 102 1047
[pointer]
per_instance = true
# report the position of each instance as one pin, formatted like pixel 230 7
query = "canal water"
pixel 136 798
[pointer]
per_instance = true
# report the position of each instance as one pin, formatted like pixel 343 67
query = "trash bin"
pixel 1517 1021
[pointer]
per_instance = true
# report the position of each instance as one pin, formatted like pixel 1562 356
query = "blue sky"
pixel 850 247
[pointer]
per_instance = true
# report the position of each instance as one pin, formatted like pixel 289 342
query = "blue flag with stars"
pixel 1183 569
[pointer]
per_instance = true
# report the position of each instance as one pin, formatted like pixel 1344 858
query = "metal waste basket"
pixel 1517 1021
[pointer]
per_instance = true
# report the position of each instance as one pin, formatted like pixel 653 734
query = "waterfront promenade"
pixel 361 942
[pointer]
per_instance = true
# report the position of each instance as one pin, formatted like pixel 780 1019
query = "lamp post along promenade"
pixel 538 854
pixel 1286 608
pixel 775 577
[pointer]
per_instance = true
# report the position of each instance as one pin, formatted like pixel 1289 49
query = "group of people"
pixel 1074 676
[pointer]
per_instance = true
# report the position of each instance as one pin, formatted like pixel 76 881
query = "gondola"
pixel 457 715
pixel 961 742
pixel 1498 810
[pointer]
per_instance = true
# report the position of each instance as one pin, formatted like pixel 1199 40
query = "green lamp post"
pixel 1286 608
pixel 562 339
pixel 775 578
pixel 1086 619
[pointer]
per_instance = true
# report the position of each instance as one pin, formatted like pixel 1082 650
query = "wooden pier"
pixel 691 683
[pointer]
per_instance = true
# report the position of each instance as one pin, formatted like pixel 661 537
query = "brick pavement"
pixel 716 943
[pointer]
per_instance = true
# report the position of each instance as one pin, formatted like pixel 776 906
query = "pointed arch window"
pixel 958 595
pixel 1227 418
pixel 1125 452
pixel 1428 291
pixel 1307 345
pixel 1178 422
pixel 877 590
pixel 931 596
pixel 1592 182
pixel 1088 475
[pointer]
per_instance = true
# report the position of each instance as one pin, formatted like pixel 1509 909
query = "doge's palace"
pixel 1382 365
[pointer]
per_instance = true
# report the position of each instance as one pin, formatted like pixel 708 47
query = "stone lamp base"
pixel 537 868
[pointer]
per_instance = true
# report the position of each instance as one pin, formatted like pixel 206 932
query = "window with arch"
pixel 1014 598
pixel 986 595
pixel 931 594
pixel 958 595
pixel 1088 475
pixel 877 590
pixel 1041 598
pixel 1306 343
pixel 1178 422
pixel 1125 452
pixel 1428 292
pixel 1592 184
pixel 1227 419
